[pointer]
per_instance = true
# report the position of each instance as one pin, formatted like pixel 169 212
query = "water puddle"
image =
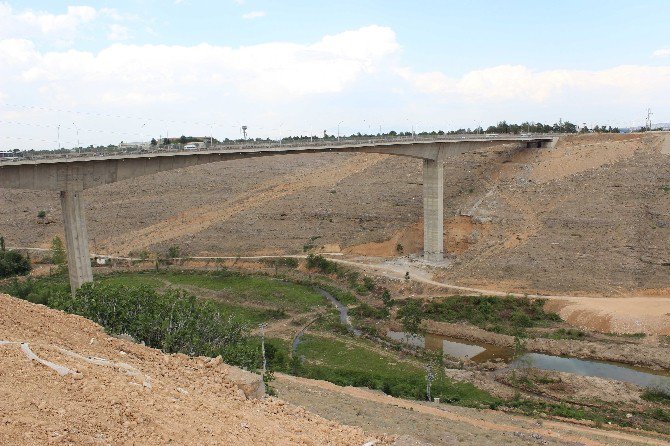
pixel 479 352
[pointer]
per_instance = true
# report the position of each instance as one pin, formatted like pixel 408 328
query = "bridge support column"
pixel 433 210
pixel 76 239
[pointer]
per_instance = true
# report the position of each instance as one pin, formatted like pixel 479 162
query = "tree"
pixel 13 263
pixel 173 252
pixel 2 243
pixel 182 139
pixel 58 255
pixel 410 316
pixel 153 141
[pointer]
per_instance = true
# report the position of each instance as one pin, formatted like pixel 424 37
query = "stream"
pixel 344 319
pixel 478 352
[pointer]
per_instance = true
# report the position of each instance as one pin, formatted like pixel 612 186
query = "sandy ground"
pixel 134 395
pixel 443 424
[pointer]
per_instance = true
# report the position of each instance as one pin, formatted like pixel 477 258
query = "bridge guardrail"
pixel 274 144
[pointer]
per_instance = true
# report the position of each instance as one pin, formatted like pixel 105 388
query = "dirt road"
pixel 443 424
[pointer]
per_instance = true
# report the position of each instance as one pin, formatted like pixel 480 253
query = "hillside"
pixel 124 393
pixel 591 216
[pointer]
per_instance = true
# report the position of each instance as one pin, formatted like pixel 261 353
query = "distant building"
pixel 134 145
pixel 6 154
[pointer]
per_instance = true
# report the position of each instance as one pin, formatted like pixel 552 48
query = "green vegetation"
pixel 58 255
pixel 660 396
pixel 365 310
pixel 247 288
pixel 361 364
pixel 13 263
pixel 322 264
pixel 162 310
pixel 567 333
pixel 41 215
pixel 173 321
pixel 411 314
pixel 508 315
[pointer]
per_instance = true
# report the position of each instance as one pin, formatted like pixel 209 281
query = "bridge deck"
pixel 277 149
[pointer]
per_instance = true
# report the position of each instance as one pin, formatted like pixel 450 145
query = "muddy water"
pixel 485 352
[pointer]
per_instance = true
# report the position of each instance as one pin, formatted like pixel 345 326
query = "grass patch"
pixel 659 396
pixel 260 289
pixel 131 279
pixel 357 364
pixel 567 333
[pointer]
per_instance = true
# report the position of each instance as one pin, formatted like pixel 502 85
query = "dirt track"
pixel 443 424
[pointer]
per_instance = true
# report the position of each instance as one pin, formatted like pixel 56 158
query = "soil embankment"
pixel 116 392
pixel 638 354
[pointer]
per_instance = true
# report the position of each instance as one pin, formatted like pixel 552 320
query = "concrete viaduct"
pixel 70 176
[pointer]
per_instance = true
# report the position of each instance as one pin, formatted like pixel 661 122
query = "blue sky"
pixel 129 70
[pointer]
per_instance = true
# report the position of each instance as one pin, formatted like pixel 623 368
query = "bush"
pixel 509 315
pixel 322 264
pixel 368 283
pixel 411 315
pixel 173 321
pixel 657 395
pixel 366 311
pixel 58 255
pixel 13 263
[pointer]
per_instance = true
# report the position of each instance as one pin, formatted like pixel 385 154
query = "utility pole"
pixel 77 128
pixel 262 326
pixel 58 136
pixel 649 113
pixel 430 376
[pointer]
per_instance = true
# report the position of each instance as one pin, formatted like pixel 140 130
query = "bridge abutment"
pixel 433 210
pixel 76 239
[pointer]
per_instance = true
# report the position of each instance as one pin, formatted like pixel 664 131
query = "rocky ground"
pixel 590 217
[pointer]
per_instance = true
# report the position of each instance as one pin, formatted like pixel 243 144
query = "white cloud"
pixel 29 22
pixel 663 52
pixel 520 83
pixel 118 32
pixel 253 15
pixel 273 71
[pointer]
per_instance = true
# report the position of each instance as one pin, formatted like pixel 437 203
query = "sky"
pixel 102 72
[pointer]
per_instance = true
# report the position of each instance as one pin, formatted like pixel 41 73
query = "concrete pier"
pixel 76 239
pixel 433 210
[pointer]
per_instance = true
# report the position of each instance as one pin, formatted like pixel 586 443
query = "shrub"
pixel 386 298
pixel 58 255
pixel 13 263
pixel 322 264
pixel 41 215
pixel 657 395
pixel 411 315
pixel 368 283
pixel 173 321
pixel 367 311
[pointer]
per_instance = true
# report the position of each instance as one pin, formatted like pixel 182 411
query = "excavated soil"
pixel 124 393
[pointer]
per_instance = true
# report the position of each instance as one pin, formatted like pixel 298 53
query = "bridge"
pixel 70 175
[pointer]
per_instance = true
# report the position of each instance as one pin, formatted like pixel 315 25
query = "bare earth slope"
pixel 590 217
pixel 137 396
